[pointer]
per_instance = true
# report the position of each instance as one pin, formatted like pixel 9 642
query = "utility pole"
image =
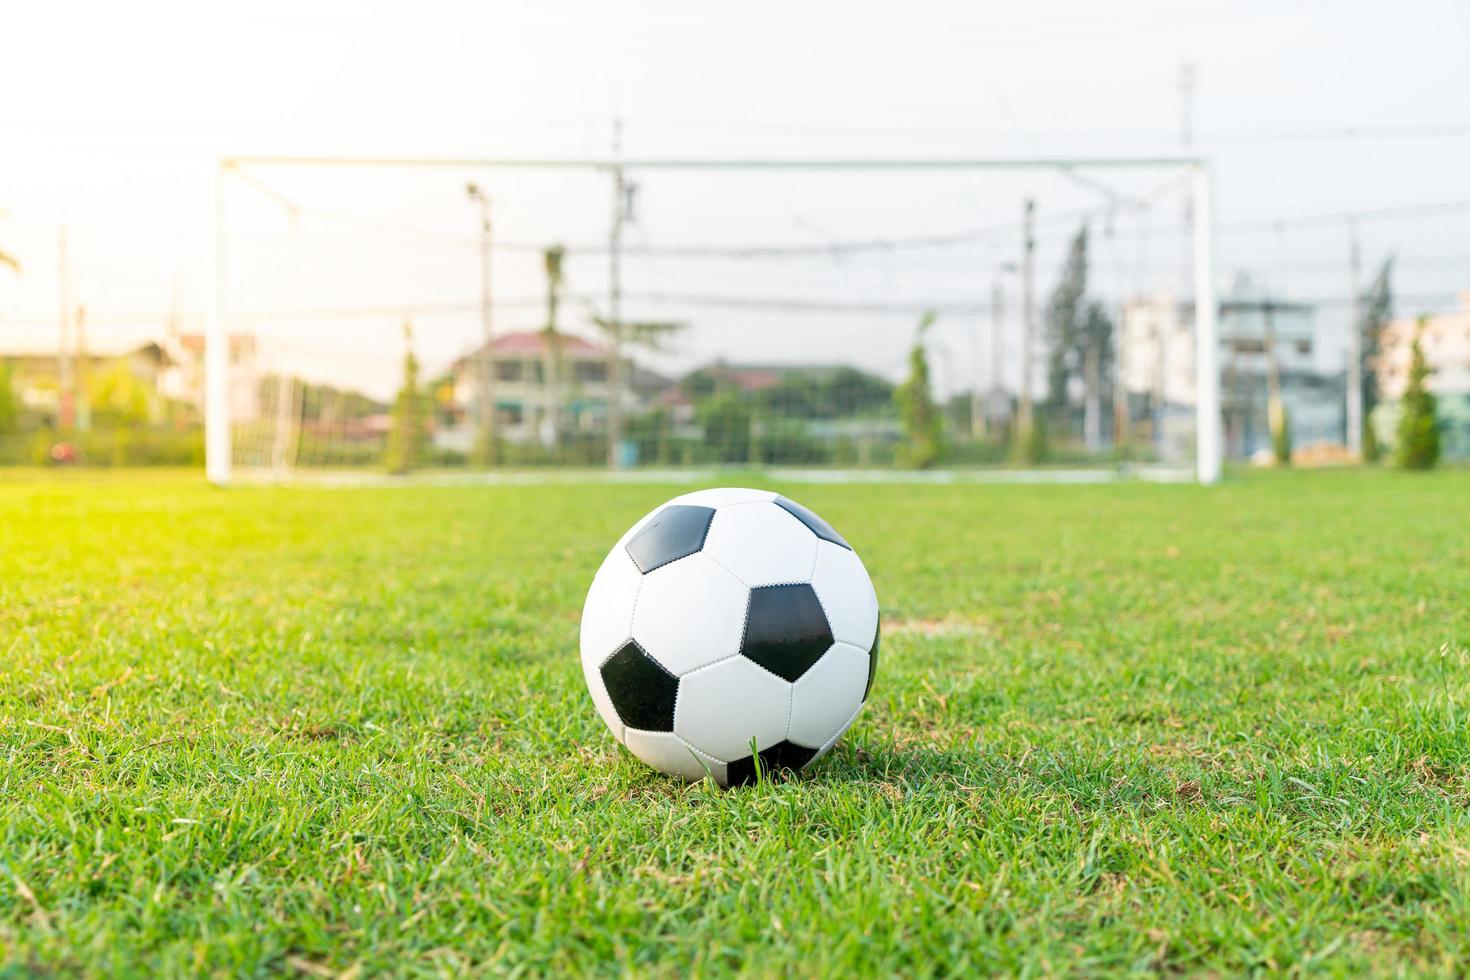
pixel 1122 438
pixel 621 190
pixel 997 340
pixel 1355 343
pixel 217 452
pixel 1028 254
pixel 485 444
pixel 998 330
pixel 977 399
pixel 83 401
pixel 1275 410
pixel 997 348
pixel 1092 400
pixel 65 387
pixel 551 351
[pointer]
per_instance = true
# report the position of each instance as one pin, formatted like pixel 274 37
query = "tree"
pixel 406 433
pixel 9 404
pixel 1280 420
pixel 1377 307
pixel 1066 334
pixel 727 420
pixel 1418 435
pixel 923 425
pixel 1030 443
pixel 119 399
pixel 826 393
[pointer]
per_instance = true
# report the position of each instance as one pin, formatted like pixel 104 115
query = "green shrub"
pixel 1029 443
pixel 1281 436
pixel 1418 434
pixel 923 426
pixel 107 447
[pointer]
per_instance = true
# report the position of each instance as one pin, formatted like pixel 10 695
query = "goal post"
pixel 1208 429
pixel 1209 422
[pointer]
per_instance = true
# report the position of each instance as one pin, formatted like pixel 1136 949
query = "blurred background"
pixel 396 302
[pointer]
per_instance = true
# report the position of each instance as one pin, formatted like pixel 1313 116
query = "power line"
pixel 424 234
pixel 882 245
pixel 143 318
pixel 802 305
pixel 753 251
pixel 1389 213
pixel 774 304
pixel 1305 134
pixel 835 249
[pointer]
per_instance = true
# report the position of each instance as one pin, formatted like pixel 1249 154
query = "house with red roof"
pixel 547 387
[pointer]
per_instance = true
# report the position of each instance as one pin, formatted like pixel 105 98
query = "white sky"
pixel 114 114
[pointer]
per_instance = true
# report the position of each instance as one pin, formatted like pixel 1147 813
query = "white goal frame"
pixel 1209 444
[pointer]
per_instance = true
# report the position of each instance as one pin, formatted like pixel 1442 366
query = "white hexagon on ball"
pixel 761 544
pixel 723 707
pixel 723 497
pixel 842 583
pixel 607 615
pixel 690 613
pixel 827 696
pixel 607 623
pixel 669 753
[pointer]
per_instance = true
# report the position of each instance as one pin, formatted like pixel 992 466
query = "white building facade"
pixel 1445 340
pixel 1156 358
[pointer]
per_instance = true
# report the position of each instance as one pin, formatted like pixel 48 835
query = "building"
pixel 1445 340
pixel 543 393
pixel 37 382
pixel 1157 368
pixel 171 371
pixel 1156 352
pixel 183 378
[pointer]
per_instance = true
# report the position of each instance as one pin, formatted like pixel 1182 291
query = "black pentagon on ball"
pixel 873 658
pixel 641 690
pixel 675 532
pixel 774 761
pixel 818 526
pixel 786 629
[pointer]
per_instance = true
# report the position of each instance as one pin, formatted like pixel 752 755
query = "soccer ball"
pixel 727 619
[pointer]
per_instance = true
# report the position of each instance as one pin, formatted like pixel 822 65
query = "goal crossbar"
pixel 748 163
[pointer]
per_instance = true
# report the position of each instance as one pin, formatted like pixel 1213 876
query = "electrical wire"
pixel 774 304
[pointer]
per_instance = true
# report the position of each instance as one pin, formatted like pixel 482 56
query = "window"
pixel 508 370
pixel 590 372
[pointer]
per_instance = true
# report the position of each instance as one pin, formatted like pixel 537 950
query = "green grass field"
pixel 1115 728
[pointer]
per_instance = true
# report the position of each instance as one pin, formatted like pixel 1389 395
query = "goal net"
pixel 474 316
